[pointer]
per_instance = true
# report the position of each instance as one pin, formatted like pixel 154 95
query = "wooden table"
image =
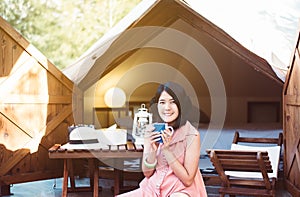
pixel 127 151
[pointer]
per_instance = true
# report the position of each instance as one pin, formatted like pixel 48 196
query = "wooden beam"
pixel 49 127
pixel 64 113
pixel 12 161
pixel 35 99
pixel 293 63
pixel 31 176
pixel 292 100
pixel 298 156
pixel 293 153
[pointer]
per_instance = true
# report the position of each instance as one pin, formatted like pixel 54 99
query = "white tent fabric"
pixel 267 28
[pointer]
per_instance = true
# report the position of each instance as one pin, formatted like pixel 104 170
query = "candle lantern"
pixel 141 119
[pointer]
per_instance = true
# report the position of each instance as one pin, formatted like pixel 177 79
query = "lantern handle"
pixel 143 108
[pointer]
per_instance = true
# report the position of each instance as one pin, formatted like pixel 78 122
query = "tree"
pixel 63 30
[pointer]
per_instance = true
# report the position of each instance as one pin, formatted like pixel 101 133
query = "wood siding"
pixel 35 110
pixel 291 110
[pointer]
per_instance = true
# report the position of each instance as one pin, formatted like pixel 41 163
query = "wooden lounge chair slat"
pixel 253 183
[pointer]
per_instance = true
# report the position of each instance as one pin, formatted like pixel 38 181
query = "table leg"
pixel 65 179
pixel 71 175
pixel 96 178
pixel 91 172
pixel 118 181
pixel 118 175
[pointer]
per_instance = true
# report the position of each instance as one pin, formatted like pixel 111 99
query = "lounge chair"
pixel 248 170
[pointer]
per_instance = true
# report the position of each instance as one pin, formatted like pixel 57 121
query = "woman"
pixel 171 168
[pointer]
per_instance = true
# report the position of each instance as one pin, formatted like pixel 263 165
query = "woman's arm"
pixel 148 171
pixel 186 172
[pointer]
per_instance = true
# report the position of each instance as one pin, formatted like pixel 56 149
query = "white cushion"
pixel 273 152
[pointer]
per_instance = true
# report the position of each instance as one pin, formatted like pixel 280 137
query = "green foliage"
pixel 64 29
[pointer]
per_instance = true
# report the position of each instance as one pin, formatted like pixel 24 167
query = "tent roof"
pixel 98 59
pixel 268 30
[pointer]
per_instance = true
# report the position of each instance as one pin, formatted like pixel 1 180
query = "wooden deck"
pixel 46 189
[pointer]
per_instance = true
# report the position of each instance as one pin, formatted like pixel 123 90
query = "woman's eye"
pixel 161 102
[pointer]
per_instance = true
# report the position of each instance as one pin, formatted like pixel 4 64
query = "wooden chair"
pixel 275 141
pixel 248 170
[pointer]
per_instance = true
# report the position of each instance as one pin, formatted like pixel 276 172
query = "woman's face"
pixel 167 109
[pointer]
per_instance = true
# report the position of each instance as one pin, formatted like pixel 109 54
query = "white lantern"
pixel 141 119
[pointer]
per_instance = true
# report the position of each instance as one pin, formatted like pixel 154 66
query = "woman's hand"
pixel 166 137
pixel 151 138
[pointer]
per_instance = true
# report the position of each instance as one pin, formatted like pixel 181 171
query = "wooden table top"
pixel 129 150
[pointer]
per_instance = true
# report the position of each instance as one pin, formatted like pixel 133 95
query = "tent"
pixel 151 45
pixel 270 33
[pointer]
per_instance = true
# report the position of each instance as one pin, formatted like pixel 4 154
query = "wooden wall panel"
pixel 35 111
pixel 291 125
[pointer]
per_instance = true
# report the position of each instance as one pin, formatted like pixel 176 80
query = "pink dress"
pixel 164 182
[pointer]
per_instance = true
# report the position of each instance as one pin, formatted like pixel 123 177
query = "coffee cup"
pixel 159 127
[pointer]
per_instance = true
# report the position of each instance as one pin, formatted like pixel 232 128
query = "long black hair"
pixel 182 101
